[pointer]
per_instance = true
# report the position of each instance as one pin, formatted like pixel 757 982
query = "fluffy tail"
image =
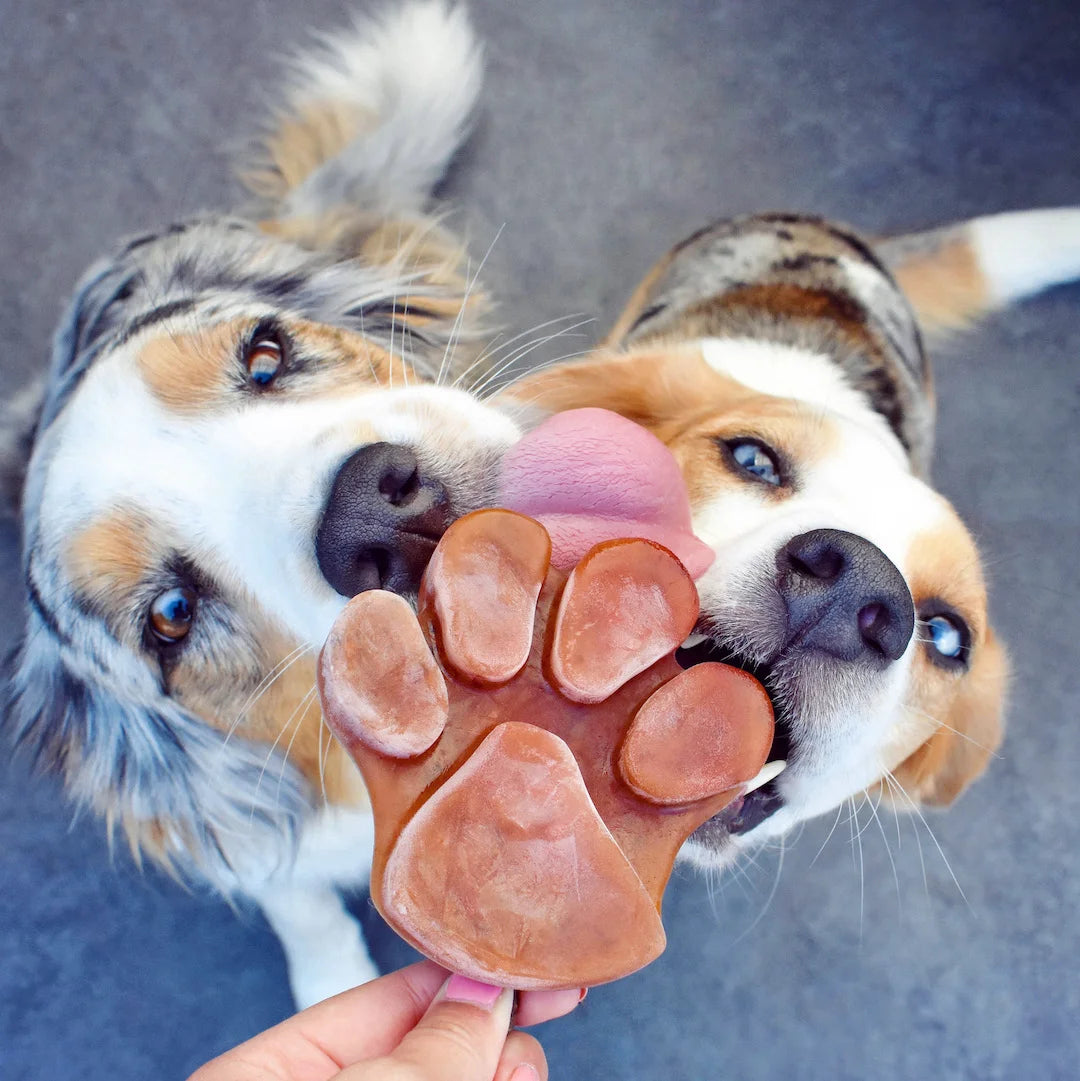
pixel 372 117
pixel 952 276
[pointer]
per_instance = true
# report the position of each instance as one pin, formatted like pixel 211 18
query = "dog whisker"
pixel 323 755
pixel 264 685
pixel 956 732
pixel 896 787
pixel 495 346
pixel 455 330
pixel 772 893
pixel 292 740
pixel 941 852
pixel 828 836
pixel 857 847
pixel 507 362
pixel 302 704
pixel 888 850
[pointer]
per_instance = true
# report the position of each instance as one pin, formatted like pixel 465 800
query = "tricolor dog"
pixel 781 360
pixel 248 419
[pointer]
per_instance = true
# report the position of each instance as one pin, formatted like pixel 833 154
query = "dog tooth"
pixel 695 640
pixel 768 772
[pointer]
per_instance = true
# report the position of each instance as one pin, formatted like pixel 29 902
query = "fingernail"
pixel 525 1072
pixel 470 991
pixel 584 992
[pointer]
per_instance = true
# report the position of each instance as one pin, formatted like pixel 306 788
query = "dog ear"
pixel 956 755
pixel 18 424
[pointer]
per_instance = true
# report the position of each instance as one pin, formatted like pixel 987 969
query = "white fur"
pixel 788 372
pixel 1023 252
pixel 413 75
pixel 863 486
pixel 323 945
pixel 209 477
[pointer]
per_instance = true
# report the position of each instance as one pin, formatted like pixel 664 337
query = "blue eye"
pixel 948 636
pixel 756 459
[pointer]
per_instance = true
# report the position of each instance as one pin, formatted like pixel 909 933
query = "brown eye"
pixel 172 613
pixel 264 360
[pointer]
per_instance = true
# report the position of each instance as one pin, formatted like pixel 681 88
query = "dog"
pixel 781 359
pixel 248 419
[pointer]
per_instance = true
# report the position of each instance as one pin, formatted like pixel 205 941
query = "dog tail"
pixel 955 275
pixel 372 117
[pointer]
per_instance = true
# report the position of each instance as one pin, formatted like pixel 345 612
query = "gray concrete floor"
pixel 609 131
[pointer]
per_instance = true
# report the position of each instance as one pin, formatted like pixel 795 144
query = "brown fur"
pixel 671 391
pixel 945 286
pixel 970 733
pixel 784 301
pixel 189 372
pixel 192 373
pixel 108 560
pixel 300 143
pixel 964 708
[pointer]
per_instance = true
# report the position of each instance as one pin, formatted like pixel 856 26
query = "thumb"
pixel 459 1038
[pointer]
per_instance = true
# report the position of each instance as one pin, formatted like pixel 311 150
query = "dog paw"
pixel 535 755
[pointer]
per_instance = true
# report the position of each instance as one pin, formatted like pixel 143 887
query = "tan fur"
pixel 300 143
pixel 283 713
pixel 945 286
pixel 188 372
pixel 687 405
pixel 192 373
pixel 963 708
pixel 672 392
pixel 945 561
pixel 108 559
pixel 970 733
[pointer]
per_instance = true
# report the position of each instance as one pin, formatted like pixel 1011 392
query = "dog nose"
pixel 844 596
pixel 382 521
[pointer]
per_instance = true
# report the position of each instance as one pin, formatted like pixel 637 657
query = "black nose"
pixel 844 597
pixel 381 523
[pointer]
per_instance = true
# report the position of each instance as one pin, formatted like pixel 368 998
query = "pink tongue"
pixel 590 476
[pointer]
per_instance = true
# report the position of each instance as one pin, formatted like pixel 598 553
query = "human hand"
pixel 413 1025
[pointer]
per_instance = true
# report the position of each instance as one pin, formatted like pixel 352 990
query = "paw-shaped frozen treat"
pixel 534 754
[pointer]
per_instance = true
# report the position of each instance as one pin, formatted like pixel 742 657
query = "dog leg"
pixel 323 944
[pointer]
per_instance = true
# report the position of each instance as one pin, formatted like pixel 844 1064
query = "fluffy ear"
pixel 18 423
pixel 954 756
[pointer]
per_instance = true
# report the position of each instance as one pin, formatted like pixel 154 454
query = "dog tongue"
pixel 589 476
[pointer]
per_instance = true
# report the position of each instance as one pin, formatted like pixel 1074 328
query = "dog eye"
pixel 172 613
pixel 949 639
pixel 264 359
pixel 756 459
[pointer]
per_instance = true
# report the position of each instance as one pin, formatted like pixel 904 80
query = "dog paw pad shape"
pixel 534 754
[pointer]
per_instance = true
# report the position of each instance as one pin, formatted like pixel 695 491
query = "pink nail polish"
pixel 472 992
pixel 525 1072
